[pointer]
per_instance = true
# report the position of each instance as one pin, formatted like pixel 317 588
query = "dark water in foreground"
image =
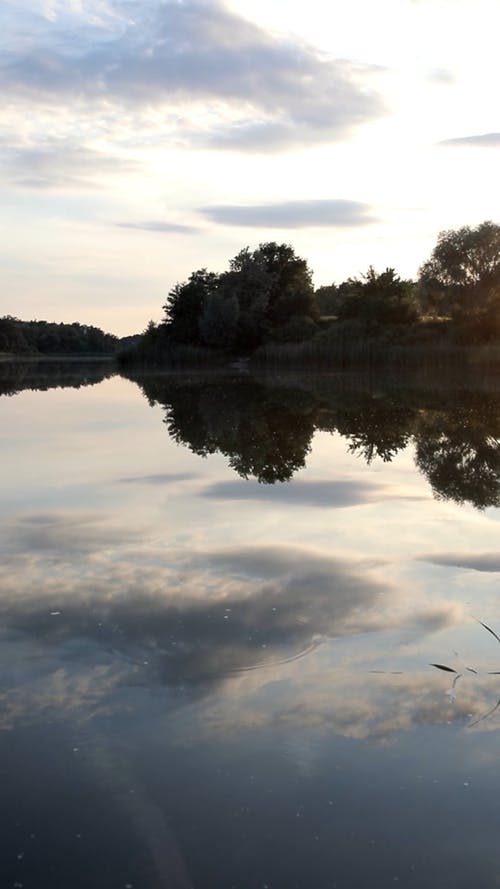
pixel 220 604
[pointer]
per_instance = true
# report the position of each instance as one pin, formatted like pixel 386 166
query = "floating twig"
pixel 485 715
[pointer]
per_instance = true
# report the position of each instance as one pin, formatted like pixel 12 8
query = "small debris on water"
pixel 54 613
pixel 20 855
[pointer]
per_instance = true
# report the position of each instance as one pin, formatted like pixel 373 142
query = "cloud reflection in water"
pixel 97 613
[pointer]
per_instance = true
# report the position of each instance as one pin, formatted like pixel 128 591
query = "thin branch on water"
pixel 486 627
pixel 485 715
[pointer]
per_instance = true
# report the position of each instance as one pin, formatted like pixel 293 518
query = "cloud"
pixel 332 494
pixel 162 227
pixel 59 163
pixel 441 76
pixel 333 213
pixel 60 536
pixel 489 562
pixel 485 140
pixel 163 478
pixel 250 89
pixel 94 611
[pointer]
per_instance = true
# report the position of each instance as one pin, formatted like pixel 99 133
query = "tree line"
pixel 50 338
pixel 266 296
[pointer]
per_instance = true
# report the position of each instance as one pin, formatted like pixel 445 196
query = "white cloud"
pixel 294 214
pixel 58 163
pixel 483 140
pixel 263 90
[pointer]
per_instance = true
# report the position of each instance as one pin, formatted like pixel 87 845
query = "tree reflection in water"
pixel 265 426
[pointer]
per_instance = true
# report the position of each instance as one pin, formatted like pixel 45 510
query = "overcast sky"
pixel 141 140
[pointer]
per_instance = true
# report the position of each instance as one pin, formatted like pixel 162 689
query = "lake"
pixel 249 631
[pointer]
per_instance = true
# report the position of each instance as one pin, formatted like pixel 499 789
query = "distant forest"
pixel 49 338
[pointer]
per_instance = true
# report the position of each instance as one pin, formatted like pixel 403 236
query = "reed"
pixel 344 354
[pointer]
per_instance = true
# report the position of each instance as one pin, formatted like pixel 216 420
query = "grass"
pixel 342 354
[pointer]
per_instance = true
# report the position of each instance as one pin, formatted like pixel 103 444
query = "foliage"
pixel 244 306
pixel 465 258
pixel 49 338
pixel 185 305
pixel 462 278
pixel 264 305
pixel 156 347
pixel 12 339
pixel 327 299
pixel 297 329
pixel 218 322
pixel 378 299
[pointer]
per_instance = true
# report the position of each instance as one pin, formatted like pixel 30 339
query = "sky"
pixel 143 139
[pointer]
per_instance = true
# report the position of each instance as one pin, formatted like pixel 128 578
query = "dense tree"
pixel 12 339
pixel 378 299
pixel 185 305
pixel 50 338
pixel 465 258
pixel 462 276
pixel 218 322
pixel 327 299
pixel 291 291
pixel 240 308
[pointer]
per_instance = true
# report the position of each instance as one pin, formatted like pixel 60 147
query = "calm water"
pixel 220 603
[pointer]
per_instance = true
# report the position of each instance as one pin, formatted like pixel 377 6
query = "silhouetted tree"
pixel 185 305
pixel 462 278
pixel 378 299
pixel 327 299
pixel 51 338
pixel 262 290
pixel 218 322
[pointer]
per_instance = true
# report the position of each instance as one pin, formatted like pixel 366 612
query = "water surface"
pixel 220 601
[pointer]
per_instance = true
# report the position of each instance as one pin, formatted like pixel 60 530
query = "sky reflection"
pixel 197 662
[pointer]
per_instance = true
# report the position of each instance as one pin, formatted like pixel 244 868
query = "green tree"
pixel 291 291
pixel 218 322
pixel 378 299
pixel 185 305
pixel 327 299
pixel 463 272
pixel 250 283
